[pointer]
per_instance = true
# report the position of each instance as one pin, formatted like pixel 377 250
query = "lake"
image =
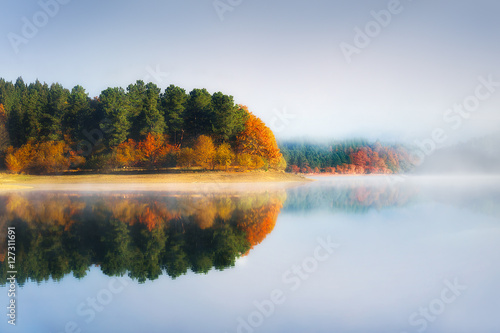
pixel 340 254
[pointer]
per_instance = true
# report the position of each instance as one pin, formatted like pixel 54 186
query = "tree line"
pixel 47 129
pixel 346 157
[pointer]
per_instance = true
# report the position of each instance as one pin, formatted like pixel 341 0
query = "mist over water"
pixel 412 253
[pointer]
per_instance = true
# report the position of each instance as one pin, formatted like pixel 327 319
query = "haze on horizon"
pixel 283 59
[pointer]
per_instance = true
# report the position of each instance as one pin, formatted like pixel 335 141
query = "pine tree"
pixel 114 104
pixel 173 103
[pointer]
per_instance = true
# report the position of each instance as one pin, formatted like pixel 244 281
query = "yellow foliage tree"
pixel 186 157
pixel 204 152
pixel 42 158
pixel 224 156
pixel 249 161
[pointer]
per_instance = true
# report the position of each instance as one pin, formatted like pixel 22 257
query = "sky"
pixel 398 70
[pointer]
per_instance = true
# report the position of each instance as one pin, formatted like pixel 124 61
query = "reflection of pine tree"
pixel 175 260
pixel 228 246
pixel 115 240
pixel 199 242
pixel 147 249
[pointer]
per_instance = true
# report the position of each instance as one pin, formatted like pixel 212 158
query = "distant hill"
pixel 480 155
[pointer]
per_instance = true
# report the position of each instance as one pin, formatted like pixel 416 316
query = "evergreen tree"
pixel 55 112
pixel 135 95
pixel 151 120
pixel 173 103
pixel 78 113
pixel 229 119
pixel 199 114
pixel 115 107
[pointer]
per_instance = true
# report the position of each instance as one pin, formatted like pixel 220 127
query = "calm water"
pixel 344 254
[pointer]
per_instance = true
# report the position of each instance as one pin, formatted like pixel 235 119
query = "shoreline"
pixel 177 182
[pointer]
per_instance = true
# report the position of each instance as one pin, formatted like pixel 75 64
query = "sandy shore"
pixel 184 182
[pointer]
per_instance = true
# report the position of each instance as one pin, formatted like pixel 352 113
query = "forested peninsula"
pixel 49 129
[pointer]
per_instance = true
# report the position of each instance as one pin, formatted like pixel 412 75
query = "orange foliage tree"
pixel 125 153
pixel 257 139
pixel 152 152
pixel 367 160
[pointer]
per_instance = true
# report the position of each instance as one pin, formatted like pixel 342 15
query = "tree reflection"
pixel 351 197
pixel 142 235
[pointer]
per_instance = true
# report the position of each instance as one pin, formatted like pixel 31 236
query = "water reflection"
pixel 479 194
pixel 146 235
pixel 142 235
pixel 351 194
pixel 400 239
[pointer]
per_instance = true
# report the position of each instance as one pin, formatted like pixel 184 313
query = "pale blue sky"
pixel 277 57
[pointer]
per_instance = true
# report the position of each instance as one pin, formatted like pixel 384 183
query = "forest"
pixel 50 129
pixel 346 157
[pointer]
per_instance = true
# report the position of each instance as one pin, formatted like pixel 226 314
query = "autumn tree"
pixel 361 157
pixel 186 157
pixel 153 150
pixel 377 164
pixel 248 161
pixel 126 153
pixel 19 160
pixel 257 139
pixel 224 155
pixel 204 152
pixel 42 158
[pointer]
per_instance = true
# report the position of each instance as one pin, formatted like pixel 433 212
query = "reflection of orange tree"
pixel 255 214
pixel 259 222
pixel 145 211
pixel 142 234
